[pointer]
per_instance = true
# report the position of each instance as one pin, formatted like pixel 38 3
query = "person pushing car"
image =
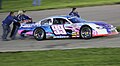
pixel 22 19
pixel 6 25
pixel 16 26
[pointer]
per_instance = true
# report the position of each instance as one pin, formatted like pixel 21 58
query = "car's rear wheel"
pixel 86 32
pixel 39 34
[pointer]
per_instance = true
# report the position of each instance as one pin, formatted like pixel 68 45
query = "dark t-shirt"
pixel 9 19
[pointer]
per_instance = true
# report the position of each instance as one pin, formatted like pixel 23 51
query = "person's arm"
pixel 76 13
pixel 71 14
pixel 15 19
pixel 26 18
pixel 19 17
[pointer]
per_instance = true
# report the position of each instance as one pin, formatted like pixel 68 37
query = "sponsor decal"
pixel 61 37
pixel 58 30
pixel 74 33
pixel 29 25
pixel 95 32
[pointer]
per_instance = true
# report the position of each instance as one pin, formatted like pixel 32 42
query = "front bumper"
pixel 105 32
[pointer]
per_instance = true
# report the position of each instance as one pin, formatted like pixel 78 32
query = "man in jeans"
pixel 36 2
pixel 6 25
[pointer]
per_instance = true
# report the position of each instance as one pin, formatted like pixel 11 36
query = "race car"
pixel 66 27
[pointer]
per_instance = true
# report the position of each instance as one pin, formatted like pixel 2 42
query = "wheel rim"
pixel 39 34
pixel 86 32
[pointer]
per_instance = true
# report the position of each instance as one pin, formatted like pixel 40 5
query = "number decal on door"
pixel 58 29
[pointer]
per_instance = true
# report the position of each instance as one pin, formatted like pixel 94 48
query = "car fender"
pixel 45 28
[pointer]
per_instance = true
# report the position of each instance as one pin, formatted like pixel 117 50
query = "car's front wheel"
pixel 39 34
pixel 86 32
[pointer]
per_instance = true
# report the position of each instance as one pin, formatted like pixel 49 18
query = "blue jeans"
pixel 6 31
pixel 36 2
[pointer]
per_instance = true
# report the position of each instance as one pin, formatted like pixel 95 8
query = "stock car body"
pixel 66 27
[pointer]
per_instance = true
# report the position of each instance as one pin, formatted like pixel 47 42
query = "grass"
pixel 118 28
pixel 75 57
pixel 15 5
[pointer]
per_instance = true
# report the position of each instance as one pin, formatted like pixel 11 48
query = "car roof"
pixel 61 16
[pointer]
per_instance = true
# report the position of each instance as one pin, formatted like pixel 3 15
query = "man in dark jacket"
pixel 15 28
pixel 16 25
pixel 74 13
pixel 6 25
pixel 26 18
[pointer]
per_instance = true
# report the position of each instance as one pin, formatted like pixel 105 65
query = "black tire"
pixel 39 34
pixel 86 32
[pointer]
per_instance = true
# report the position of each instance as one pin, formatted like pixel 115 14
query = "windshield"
pixel 76 20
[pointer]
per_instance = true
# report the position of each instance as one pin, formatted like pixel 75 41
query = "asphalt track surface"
pixel 109 13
